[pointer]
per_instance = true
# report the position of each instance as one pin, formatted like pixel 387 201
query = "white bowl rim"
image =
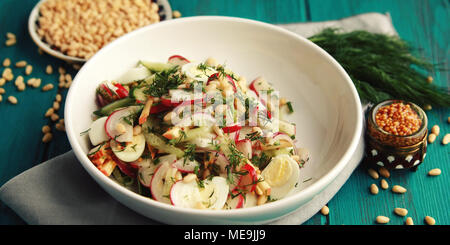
pixel 34 15
pixel 308 192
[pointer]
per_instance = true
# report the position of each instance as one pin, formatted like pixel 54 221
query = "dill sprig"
pixel 383 67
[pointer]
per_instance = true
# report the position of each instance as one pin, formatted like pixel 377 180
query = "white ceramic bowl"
pixel 327 107
pixel 165 12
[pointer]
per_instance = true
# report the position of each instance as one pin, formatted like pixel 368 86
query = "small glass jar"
pixel 393 151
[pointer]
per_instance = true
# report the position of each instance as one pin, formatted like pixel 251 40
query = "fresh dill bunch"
pixel 383 67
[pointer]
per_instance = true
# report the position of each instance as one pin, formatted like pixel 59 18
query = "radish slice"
pixel 171 158
pixel 244 132
pixel 221 160
pixel 97 133
pixel 251 200
pixel 131 151
pixel 146 169
pixel 187 166
pixel 185 194
pixel 124 118
pixel 192 71
pixel 245 146
pixel 178 60
pixel 231 129
pixel 259 84
pixel 213 195
pixel 248 181
pixel 135 74
pixel 236 200
pixel 197 119
pixel 204 142
pixel 158 182
pixel 286 127
pixel 282 136
pixel 124 167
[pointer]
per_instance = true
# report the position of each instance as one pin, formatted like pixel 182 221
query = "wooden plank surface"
pixel 424 23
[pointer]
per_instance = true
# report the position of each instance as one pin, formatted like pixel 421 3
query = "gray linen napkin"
pixel 59 191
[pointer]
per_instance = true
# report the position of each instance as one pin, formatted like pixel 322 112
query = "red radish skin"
pixel 108 121
pixel 240 201
pixel 178 60
pixel 248 181
pixel 231 129
pixel 245 146
pixel 121 91
pixel 124 167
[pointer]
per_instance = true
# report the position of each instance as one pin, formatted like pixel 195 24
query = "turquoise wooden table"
pixel 426 24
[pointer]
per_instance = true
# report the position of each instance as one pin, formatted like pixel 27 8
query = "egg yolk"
pixel 278 174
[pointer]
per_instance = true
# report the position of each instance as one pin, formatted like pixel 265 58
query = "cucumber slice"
pixel 157 66
pixel 138 93
pixel 157 142
pixel 109 108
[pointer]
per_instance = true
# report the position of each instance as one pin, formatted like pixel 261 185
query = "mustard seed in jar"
pixel 396 135
pixel 398 119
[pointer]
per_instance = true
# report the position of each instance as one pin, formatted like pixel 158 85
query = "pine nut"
pixel 398 189
pixel 21 64
pixel 28 70
pixel 46 129
pixel 61 70
pixel 137 130
pixel 2 91
pixel 384 172
pixel 448 119
pixel 189 178
pixel 446 139
pixel 258 191
pixel 218 130
pixel 176 14
pixel 62 78
pixel 60 126
pixel 374 189
pixel 47 137
pixel 58 97
pixel 37 83
pixel 401 211
pixel 384 184
pixel 168 117
pixel 261 200
pixel 211 61
pixel 283 101
pixel 430 220
pixel 434 172
pixel 120 128
pixel 431 138
pixel 68 77
pixel 427 107
pixel 373 173
pixel 435 130
pixel 325 210
pixel 56 105
pixel 1 98
pixel 2 81
pixel 47 87
pixel 49 69
pixel 54 117
pixel 49 112
pixel 10 42
pixel 6 62
pixel 382 219
pixel 409 221
pixel 10 35
pixel 12 100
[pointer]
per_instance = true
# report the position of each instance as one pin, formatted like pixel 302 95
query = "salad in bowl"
pixel 196 135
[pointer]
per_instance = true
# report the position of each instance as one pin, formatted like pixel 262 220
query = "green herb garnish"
pixel 383 67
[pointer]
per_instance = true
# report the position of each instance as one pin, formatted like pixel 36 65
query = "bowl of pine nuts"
pixel 74 30
pixel 328 113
